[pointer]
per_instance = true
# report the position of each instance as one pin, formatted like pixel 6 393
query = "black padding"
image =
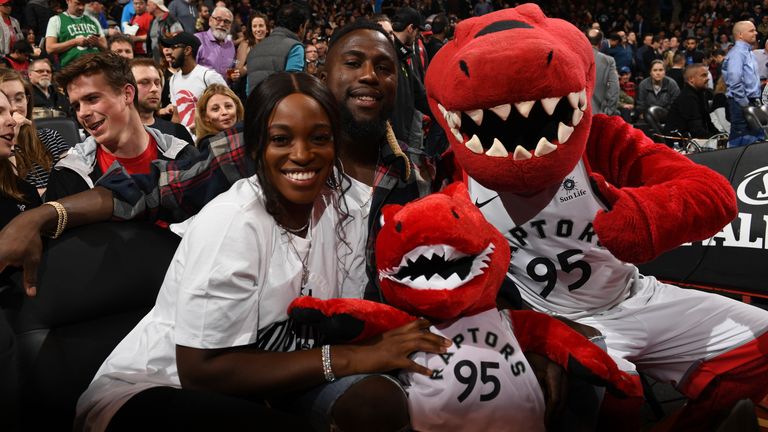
pixel 95 284
pixel 737 258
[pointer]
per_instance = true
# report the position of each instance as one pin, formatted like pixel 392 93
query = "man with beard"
pixel 362 67
pixel 46 95
pixel 190 79
pixel 150 86
pixel 217 51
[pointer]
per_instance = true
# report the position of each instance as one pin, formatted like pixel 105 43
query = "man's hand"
pixel 21 246
pixel 554 385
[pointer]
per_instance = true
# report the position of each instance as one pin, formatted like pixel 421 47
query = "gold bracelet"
pixel 61 223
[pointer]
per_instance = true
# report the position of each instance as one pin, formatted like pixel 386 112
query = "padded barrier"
pixel 95 283
pixel 737 257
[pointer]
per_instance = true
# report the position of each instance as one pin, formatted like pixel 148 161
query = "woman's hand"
pixel 390 350
pixel 20 121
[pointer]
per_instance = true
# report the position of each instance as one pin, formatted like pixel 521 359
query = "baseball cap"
pixel 405 16
pixel 160 4
pixel 182 38
pixel 624 70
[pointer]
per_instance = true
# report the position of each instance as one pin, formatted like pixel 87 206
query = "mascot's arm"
pixel 544 335
pixel 658 198
pixel 346 320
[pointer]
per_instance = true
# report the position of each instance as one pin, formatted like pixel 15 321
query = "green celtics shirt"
pixel 65 27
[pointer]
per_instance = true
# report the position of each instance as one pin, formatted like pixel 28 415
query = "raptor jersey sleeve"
pixel 483 382
pixel 557 260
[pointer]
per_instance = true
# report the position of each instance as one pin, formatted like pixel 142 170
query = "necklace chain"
pixel 303 260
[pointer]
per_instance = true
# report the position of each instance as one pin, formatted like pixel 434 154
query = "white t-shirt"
pixel 234 258
pixel 185 90
pixel 557 260
pixel 483 382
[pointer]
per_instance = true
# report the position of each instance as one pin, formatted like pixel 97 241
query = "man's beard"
pixel 178 62
pixel 220 35
pixel 366 130
pixel 44 83
pixel 147 107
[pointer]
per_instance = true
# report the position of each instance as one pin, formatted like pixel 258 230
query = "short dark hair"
pixel 440 23
pixel 292 16
pixel 596 37
pixel 361 24
pixel 678 57
pixel 689 70
pixel 258 110
pixel 144 61
pixel 116 69
pixel 118 37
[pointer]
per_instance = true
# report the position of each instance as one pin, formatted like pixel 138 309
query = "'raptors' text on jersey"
pixel 557 260
pixel 482 383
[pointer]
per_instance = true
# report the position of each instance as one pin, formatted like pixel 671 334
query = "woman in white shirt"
pixel 218 342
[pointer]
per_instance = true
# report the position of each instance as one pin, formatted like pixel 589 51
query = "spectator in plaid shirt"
pixel 362 75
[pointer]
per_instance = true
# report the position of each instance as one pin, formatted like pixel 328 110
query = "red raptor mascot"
pixel 580 198
pixel 448 267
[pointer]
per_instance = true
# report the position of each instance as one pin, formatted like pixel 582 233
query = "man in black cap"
pixel 411 99
pixel 18 59
pixel 190 79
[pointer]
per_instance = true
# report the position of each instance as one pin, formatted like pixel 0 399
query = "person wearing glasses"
pixel 47 97
pixel 217 51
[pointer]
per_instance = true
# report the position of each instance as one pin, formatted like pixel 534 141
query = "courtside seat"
pixel 95 283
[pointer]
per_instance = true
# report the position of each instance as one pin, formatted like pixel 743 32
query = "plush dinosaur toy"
pixel 580 197
pixel 448 267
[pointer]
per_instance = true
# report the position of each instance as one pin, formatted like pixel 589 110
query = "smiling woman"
pixel 217 109
pixel 219 334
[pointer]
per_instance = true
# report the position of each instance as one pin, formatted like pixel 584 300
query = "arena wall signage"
pixel 737 256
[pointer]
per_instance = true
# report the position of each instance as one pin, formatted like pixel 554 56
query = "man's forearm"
pixel 91 206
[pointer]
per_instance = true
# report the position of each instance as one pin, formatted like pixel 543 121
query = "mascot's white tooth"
pixel 563 132
pixel 502 111
pixel 474 145
pixel 476 116
pixel 497 149
pixel 524 108
pixel 577 116
pixel 456 116
pixel 457 135
pixel 521 153
pixel 544 147
pixel 453 281
pixel 451 121
pixel 573 99
pixel 549 104
pixel 442 109
pixel 583 100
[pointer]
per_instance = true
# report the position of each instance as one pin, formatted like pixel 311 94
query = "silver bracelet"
pixel 327 370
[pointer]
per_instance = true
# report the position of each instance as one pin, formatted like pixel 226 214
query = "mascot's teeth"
pixel 497 149
pixel 583 100
pixel 524 108
pixel 476 116
pixel 454 118
pixel 573 99
pixel 436 280
pixel 457 135
pixel 474 145
pixel 544 147
pixel 521 153
pixel 549 104
pixel 577 116
pixel 563 132
pixel 502 111
pixel 442 110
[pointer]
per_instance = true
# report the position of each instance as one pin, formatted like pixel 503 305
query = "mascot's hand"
pixel 346 320
pixel 542 334
pixel 624 229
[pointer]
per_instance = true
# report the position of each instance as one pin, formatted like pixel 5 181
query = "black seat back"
pixel 656 116
pixel 63 125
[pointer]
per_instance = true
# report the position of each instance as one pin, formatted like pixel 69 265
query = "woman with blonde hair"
pixel 218 109
pixel 36 150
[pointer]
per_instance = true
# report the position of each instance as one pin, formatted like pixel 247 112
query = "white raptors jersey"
pixel 483 382
pixel 557 262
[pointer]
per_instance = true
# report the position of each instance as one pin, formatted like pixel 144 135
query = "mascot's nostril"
pixel 453 212
pixel 464 68
pixel 549 57
pixel 399 227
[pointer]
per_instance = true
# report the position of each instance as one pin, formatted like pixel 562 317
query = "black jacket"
pixel 689 113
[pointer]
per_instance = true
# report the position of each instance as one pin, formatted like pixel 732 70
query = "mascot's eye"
pixel 399 227
pixel 456 215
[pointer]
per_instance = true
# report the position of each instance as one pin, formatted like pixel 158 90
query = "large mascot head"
pixel 513 91
pixel 439 258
